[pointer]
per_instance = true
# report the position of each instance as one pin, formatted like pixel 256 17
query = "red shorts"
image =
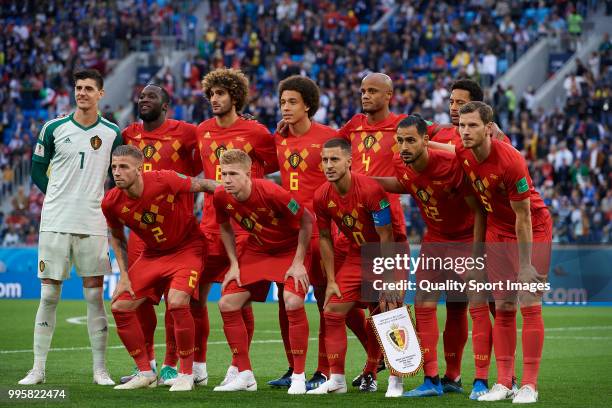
pixel 257 267
pixel 217 263
pixel 136 247
pixel 503 258
pixel 434 256
pixel 397 218
pixel 347 269
pixel 316 272
pixel 153 273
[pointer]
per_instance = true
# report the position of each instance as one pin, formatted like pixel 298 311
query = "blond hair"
pixel 236 156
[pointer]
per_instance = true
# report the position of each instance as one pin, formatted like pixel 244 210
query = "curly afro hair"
pixel 305 87
pixel 232 80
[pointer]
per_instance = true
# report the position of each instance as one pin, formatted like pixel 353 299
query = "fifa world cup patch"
pixel 181 175
pixel 40 150
pixel 95 142
pixel 522 185
pixel 293 206
pixel 384 203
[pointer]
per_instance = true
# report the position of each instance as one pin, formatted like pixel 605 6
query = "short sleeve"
pixel 191 141
pixel 45 145
pixel 284 202
pixel 176 182
pixel 377 199
pixel 516 178
pixel 265 149
pixel 107 209
pixel 323 218
pixel 219 202
pixel 118 140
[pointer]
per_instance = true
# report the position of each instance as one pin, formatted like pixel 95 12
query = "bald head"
pixel 379 79
pixel 376 92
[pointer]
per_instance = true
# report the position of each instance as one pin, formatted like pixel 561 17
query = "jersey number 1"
pixel 82 154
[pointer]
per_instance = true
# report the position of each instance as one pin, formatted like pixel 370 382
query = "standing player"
pixel 435 180
pixel 158 206
pixel 372 136
pixel 462 92
pixel 166 144
pixel 228 91
pixel 77 149
pixel 299 158
pixel 276 251
pixel 519 235
pixel 361 211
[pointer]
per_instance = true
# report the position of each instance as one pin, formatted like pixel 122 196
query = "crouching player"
pixel 360 208
pixel 276 251
pixel 157 207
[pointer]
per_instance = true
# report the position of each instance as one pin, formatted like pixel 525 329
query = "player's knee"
pixel 227 304
pixel 293 301
pixel 177 298
pixel 506 305
pixel 50 295
pixel 93 295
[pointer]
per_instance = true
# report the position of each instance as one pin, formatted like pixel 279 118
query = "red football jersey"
pixel 248 135
pixel 352 213
pixel 373 147
pixel 160 217
pixel 439 191
pixel 500 178
pixel 270 215
pixel 451 135
pixel 172 146
pixel 299 159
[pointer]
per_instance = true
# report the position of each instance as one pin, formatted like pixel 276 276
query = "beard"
pixel 150 116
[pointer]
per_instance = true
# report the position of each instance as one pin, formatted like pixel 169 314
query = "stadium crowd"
pixel 423 46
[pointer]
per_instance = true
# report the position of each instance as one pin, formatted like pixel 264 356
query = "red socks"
pixel 335 341
pixel 249 322
pixel 373 351
pixel 454 337
pixel 482 330
pixel 504 343
pixel 283 321
pixel 356 321
pixel 184 334
pixel 171 357
pixel 202 331
pixel 298 337
pixel 237 339
pixel 323 364
pixel 427 330
pixel 148 321
pixel 130 333
pixel 533 341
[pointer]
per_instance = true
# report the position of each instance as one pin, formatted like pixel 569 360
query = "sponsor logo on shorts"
pixel 41 266
pixel 95 142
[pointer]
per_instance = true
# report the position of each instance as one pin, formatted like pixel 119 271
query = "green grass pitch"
pixel 575 368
